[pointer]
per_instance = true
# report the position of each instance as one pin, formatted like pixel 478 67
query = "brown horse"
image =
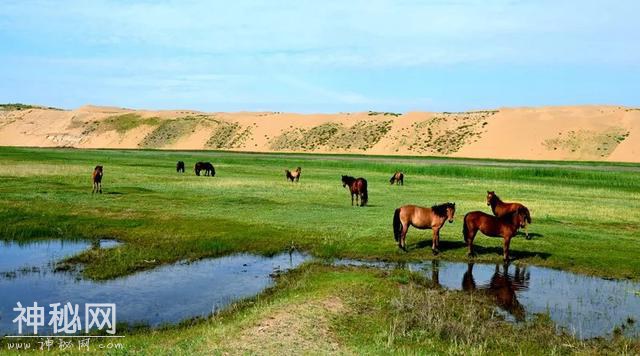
pixel 505 227
pixel 397 178
pixel 422 218
pixel 293 176
pixel 358 188
pixel 97 179
pixel 500 209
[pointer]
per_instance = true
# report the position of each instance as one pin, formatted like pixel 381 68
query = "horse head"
pixel 451 211
pixel 344 181
pixel 491 195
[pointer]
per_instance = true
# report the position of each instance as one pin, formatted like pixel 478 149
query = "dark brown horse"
pixel 500 209
pixel 180 167
pixel 293 176
pixel 358 189
pixel 505 227
pixel 97 179
pixel 207 167
pixel 422 218
pixel 397 178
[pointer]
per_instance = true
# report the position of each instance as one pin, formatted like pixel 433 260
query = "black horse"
pixel 207 167
pixel 180 167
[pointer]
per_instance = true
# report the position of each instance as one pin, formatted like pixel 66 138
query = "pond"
pixel 583 305
pixel 167 294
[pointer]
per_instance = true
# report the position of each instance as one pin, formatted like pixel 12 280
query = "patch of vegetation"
pixel 19 106
pixel 587 143
pixel 375 113
pixel 445 133
pixel 119 123
pixel 228 135
pixel 169 131
pixel 361 136
pixel 306 140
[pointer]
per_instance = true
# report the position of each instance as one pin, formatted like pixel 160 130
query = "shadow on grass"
pixel 513 254
pixel 443 246
pixel 532 235
pixel 479 250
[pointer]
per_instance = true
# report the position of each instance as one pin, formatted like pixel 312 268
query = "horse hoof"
pixel 528 237
pixel 435 251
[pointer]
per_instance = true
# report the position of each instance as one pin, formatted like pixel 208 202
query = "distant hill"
pixel 599 133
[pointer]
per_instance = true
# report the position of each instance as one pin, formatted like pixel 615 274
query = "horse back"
pixel 488 224
pixel 417 216
pixel 503 209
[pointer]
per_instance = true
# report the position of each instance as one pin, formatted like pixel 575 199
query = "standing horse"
pixel 180 167
pixel 397 178
pixel 500 209
pixel 358 188
pixel 293 176
pixel 422 218
pixel 97 179
pixel 505 227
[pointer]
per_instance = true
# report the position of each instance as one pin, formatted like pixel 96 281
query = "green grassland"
pixel 586 218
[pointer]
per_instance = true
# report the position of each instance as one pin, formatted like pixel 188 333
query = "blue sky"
pixel 320 56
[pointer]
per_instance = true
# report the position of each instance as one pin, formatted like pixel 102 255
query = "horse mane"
pixel 348 179
pixel 441 210
pixel 496 198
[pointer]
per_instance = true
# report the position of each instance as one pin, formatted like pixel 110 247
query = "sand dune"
pixel 598 133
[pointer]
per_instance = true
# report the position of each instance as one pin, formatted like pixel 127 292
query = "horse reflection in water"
pixel 502 286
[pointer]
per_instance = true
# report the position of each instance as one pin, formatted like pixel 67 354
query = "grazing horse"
pixel 500 209
pixel 397 178
pixel 505 227
pixel 180 167
pixel 207 167
pixel 358 188
pixel 422 218
pixel 293 176
pixel 97 179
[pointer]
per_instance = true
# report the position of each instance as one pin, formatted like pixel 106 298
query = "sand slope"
pixel 600 133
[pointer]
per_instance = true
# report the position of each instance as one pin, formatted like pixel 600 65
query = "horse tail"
pixel 397 225
pixel 365 193
pixel 465 229
pixel 527 215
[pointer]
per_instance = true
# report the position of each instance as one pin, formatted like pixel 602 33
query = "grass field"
pixel 585 219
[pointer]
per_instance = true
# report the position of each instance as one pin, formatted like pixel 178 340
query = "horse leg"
pixel 471 234
pixel 435 241
pixel 351 199
pixel 403 237
pixel 505 248
pixel 357 199
pixel 526 232
pixel 100 185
